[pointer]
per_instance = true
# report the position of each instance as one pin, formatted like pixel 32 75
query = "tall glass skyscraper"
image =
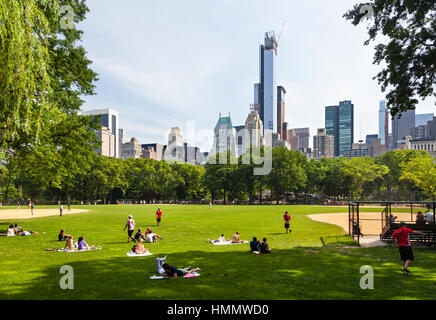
pixel 266 100
pixel 383 123
pixel 339 123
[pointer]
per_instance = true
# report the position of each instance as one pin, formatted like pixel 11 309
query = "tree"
pixel 422 172
pixel 409 55
pixel 24 72
pixel 361 171
pixel 316 173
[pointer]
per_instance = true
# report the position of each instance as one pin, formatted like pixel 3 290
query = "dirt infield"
pixel 369 227
pixel 25 213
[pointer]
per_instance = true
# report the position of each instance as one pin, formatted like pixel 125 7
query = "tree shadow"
pixel 299 273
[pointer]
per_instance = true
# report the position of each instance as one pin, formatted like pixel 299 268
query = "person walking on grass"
pixel 32 207
pixel 406 253
pixel 159 215
pixel 130 225
pixel 287 219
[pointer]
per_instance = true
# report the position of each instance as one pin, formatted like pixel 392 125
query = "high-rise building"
pixel 267 90
pixel 108 144
pixel 293 139
pixel 225 136
pixel 281 93
pixel 175 150
pixel 402 126
pixel 323 145
pixel 285 131
pixel 370 139
pixel 122 136
pixel 156 152
pixel 109 119
pixel 339 122
pixel 303 137
pixel 253 133
pixel 240 133
pixel 383 123
pixel 423 118
pixel 131 149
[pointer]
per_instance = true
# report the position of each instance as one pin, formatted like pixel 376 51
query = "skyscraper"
pixel 109 119
pixel 423 118
pixel 281 93
pixel 303 135
pixel 339 123
pixel 267 90
pixel 323 145
pixel 402 126
pixel 383 123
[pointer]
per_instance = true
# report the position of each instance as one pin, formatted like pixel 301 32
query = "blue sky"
pixel 164 63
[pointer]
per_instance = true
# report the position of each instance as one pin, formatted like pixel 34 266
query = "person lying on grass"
pixel 17 231
pixel 255 246
pixel 172 272
pixel 264 247
pixel 138 248
pixel 220 240
pixel 235 238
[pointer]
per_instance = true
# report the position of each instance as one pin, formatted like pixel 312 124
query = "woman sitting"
pixel 63 236
pixel 10 232
pixel 69 243
pixel 235 238
pixel 82 245
pixel 420 218
pixel 139 248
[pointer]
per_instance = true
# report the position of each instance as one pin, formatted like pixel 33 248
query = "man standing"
pixel 32 207
pixel 406 253
pixel 61 208
pixel 159 214
pixel 287 219
pixel 130 225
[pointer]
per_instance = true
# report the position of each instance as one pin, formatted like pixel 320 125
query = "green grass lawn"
pixel 300 267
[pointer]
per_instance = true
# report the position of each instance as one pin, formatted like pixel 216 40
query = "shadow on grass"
pixel 299 273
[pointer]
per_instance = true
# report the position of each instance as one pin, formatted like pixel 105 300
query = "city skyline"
pixel 160 83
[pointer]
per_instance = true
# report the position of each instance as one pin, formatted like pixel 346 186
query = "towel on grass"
pixel 187 275
pixel 133 254
pixel 227 243
pixel 75 250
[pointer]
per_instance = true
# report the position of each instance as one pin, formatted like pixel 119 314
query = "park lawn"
pixel 300 267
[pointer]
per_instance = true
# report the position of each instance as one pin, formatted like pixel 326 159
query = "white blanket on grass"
pixel 133 254
pixel 196 274
pixel 75 250
pixel 225 243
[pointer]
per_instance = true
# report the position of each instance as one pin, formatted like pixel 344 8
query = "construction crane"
pixel 281 31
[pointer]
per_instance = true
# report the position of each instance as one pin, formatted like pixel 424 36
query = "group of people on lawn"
pixel 69 242
pixel 15 230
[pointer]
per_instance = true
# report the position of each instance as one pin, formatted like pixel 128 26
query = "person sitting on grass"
pixel 139 235
pixel 151 237
pixel 221 239
pixel 69 243
pixel 255 246
pixel 11 231
pixel 172 272
pixel 235 238
pixel 139 247
pixel 82 245
pixel 264 247
pixel 62 235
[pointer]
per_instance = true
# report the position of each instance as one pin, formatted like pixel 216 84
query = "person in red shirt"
pixel 159 214
pixel 287 219
pixel 406 253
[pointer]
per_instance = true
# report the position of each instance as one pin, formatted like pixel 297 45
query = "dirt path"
pixel 25 213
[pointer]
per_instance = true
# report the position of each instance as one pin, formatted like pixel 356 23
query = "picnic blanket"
pixel 187 275
pixel 75 250
pixel 225 243
pixel 133 254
